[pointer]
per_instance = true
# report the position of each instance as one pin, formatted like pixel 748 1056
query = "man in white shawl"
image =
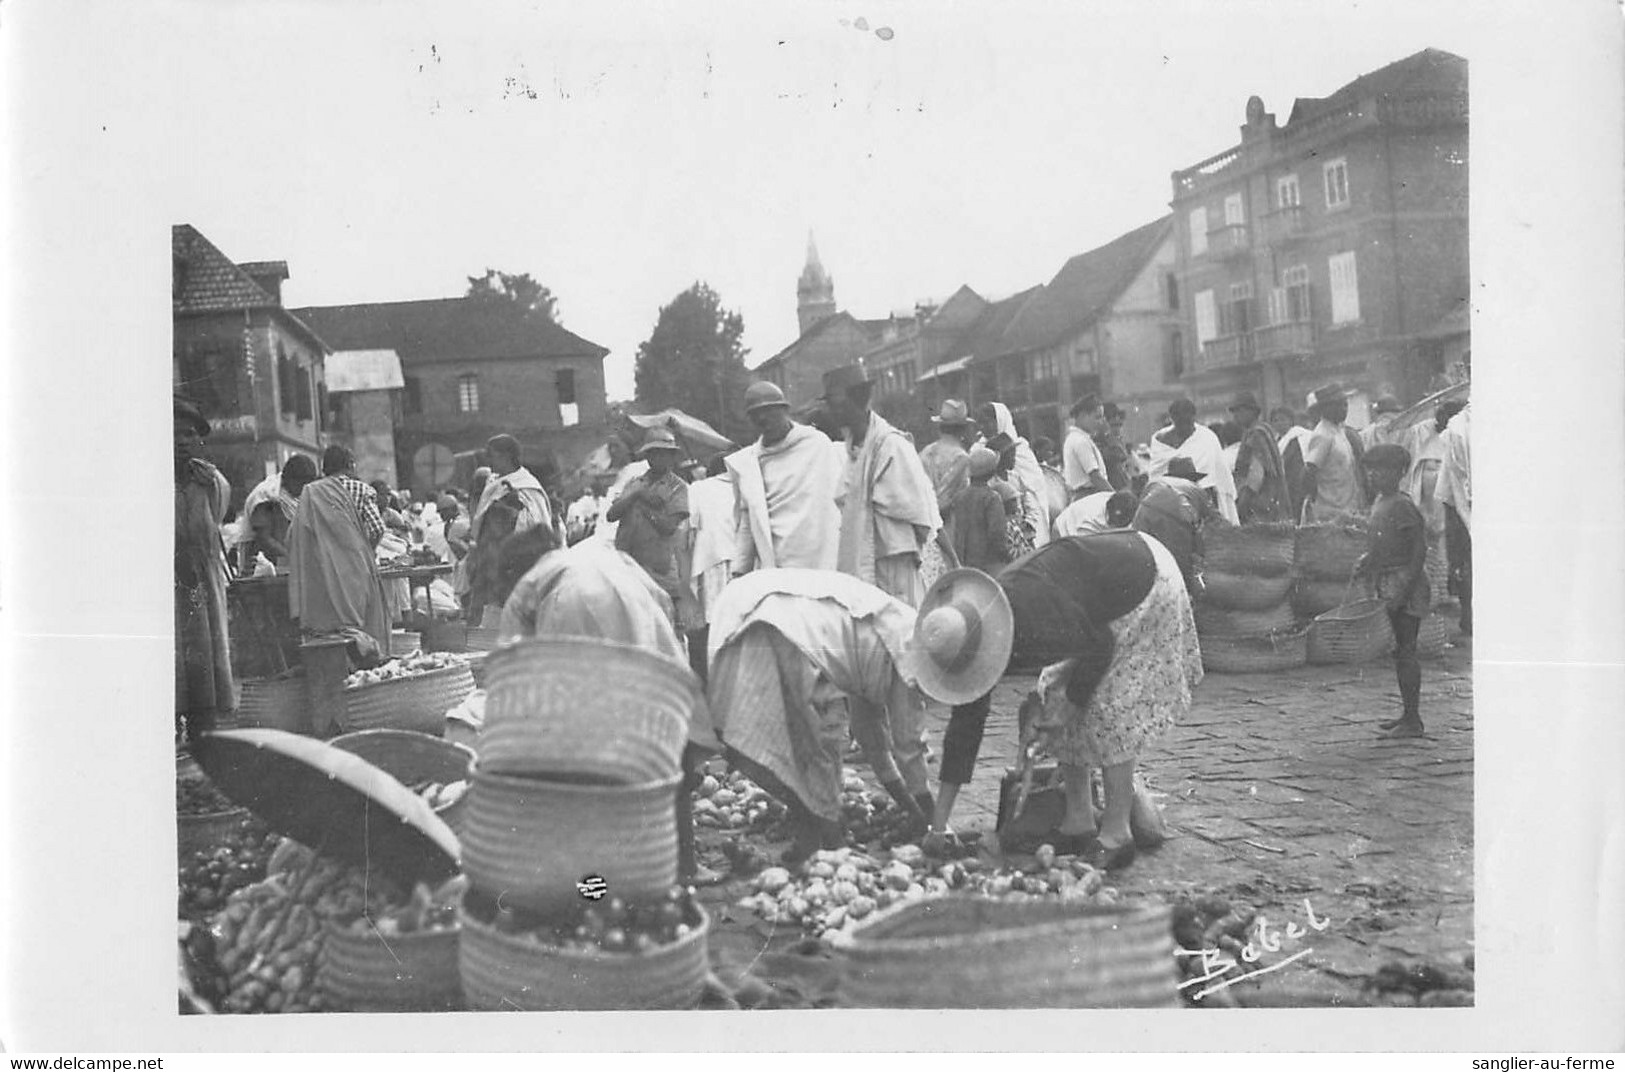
pixel 785 487
pixel 509 478
pixel 1184 438
pixel 792 652
pixel 994 419
pixel 265 531
pixel 705 560
pixel 888 506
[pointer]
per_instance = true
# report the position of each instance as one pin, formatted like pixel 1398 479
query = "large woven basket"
pixel 482 639
pixel 504 972
pixel 408 703
pixel 1329 551
pixel 404 642
pixel 1352 633
pixel 532 839
pixel 586 706
pixel 1437 568
pixel 413 758
pixel 1244 591
pixel 1212 621
pixel 1256 654
pixel 1313 595
pixel 1433 636
pixel 476 666
pixel 275 703
pixel 1266 550
pixel 363 971
pixel 975 953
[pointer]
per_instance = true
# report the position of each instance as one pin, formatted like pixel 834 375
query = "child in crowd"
pixel 979 533
pixel 1395 551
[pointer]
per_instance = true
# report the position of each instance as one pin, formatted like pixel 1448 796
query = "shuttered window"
pixel 1345 288
pixel 1286 191
pixel 1336 174
pixel 1207 317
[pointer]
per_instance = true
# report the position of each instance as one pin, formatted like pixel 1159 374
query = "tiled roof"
pixel 446 328
pixel 985 337
pixel 279 269
pixel 1083 289
pixel 206 281
pixel 1430 71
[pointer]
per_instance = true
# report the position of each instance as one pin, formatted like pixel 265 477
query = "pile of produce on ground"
pixel 413 665
pixel 612 925
pixel 1428 984
pixel 209 877
pixel 836 888
pixel 259 952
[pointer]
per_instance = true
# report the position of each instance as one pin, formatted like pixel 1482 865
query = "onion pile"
pixel 414 665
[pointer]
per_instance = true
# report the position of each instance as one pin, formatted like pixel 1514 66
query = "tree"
pixel 694 361
pixel 522 290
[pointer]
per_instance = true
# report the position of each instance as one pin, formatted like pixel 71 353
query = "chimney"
pixel 268 275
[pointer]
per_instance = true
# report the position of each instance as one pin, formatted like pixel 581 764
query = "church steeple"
pixel 815 291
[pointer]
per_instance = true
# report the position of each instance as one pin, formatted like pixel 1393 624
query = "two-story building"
pixel 472 368
pixel 1330 248
pixel 254 368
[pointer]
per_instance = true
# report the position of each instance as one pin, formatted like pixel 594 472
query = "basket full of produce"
pixel 586 706
pixel 399 953
pixel 412 693
pixel 615 953
pixel 435 769
pixel 205 817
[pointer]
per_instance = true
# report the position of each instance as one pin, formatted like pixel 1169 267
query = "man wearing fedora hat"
pixel 1332 480
pixel 888 505
pixel 204 685
pixel 650 510
pixel 1260 474
pixel 799 657
pixel 785 487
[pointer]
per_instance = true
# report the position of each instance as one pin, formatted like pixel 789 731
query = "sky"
pixel 621 153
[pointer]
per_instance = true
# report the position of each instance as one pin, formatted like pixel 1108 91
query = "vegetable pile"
pixel 414 665
pixel 208 878
pixel 836 888
pixel 198 796
pixel 612 925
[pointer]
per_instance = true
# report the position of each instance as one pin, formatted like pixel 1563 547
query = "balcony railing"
pixel 1284 224
pixel 1286 340
pixel 1225 351
pixel 1228 241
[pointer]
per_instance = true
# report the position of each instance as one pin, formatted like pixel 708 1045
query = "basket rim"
pixel 859 940
pixel 516 650
pixel 1347 612
pixel 411 679
pixel 508 778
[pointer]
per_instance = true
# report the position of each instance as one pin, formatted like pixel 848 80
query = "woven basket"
pixel 1214 621
pixel 586 706
pixel 1256 654
pixel 404 642
pixel 1433 636
pixel 1329 552
pixel 413 758
pixel 1352 633
pixel 975 953
pixel 476 666
pixel 366 972
pixel 1437 568
pixel 408 703
pixel 504 972
pixel 1244 591
pixel 1267 550
pixel 482 639
pixel 532 839
pixel 1312 596
pixel 275 703
pixel 202 833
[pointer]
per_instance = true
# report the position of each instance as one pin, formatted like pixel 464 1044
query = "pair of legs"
pixel 1408 669
pixel 963 741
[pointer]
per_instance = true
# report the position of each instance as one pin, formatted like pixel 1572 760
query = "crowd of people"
pixel 829 579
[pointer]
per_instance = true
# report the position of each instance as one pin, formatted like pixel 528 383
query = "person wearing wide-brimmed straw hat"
pixel 798 658
pixel 785 487
pixel 1107 619
pixel 888 504
pixel 1173 510
pixel 650 509
pixel 204 685
pixel 1260 475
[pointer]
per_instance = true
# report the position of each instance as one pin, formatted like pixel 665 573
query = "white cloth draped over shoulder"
pixel 535 511
pixel 785 502
pixel 1455 486
pixel 711 520
pixel 1085 516
pixel 1203 449
pixel 888 506
pixel 268 490
pixel 1029 477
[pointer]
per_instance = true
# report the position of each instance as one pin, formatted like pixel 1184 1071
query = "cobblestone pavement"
pixel 1276 788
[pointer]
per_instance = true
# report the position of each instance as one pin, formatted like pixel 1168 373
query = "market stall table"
pixel 416 577
pixel 265 641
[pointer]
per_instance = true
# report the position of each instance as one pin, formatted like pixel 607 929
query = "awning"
pixel 947 368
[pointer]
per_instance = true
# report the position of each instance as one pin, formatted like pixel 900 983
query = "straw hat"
pixel 962 637
pixel 762 394
pixel 953 414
